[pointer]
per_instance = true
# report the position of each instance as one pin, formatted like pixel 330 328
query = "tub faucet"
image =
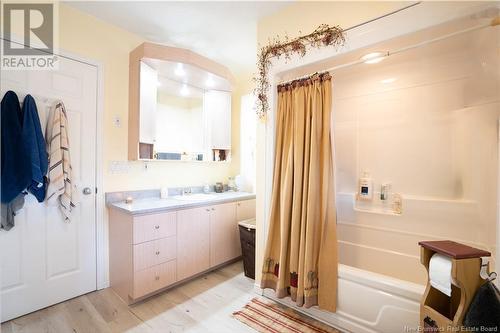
pixel 186 190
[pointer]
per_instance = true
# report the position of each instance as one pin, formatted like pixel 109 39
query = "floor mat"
pixel 266 316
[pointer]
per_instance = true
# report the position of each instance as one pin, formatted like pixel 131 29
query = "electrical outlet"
pixel 119 167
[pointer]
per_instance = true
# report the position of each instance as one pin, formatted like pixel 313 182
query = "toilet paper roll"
pixel 440 273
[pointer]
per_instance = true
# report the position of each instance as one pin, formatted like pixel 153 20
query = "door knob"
pixel 87 191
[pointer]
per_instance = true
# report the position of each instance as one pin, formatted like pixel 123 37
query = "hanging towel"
pixel 8 211
pixel 15 164
pixel 61 188
pixel 483 314
pixel 35 145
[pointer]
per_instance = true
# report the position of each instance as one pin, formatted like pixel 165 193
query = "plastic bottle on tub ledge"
pixel 385 191
pixel 397 203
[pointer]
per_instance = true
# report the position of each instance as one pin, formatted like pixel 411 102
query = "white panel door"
pixel 45 260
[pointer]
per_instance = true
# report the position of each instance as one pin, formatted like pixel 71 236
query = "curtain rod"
pixel 494 22
pixel 372 20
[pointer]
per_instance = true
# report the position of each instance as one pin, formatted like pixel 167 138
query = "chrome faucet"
pixel 186 190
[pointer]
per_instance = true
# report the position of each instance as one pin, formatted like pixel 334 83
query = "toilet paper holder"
pixel 438 312
pixel 485 274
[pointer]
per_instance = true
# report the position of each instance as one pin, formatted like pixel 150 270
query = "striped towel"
pixel 60 189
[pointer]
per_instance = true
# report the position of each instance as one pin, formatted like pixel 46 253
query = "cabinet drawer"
pixel 154 226
pixel 154 278
pixel 154 252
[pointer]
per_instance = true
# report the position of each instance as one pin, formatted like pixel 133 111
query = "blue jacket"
pixel 15 166
pixel 35 145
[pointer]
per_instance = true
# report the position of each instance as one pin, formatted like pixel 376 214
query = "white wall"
pixel 248 140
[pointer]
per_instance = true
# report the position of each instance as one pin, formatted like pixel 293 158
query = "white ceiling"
pixel 222 31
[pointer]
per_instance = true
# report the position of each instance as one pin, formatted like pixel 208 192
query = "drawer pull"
pixel 157 253
pixel 157 278
pixel 157 227
pixel 239 204
pixel 213 208
pixel 207 210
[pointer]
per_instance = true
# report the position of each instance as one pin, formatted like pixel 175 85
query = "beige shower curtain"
pixel 301 251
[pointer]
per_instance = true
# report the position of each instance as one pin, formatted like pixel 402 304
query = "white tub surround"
pixel 159 243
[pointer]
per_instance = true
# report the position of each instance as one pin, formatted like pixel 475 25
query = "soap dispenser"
pixel 365 191
pixel 206 188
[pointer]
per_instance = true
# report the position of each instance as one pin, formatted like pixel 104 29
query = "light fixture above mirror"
pixel 179 70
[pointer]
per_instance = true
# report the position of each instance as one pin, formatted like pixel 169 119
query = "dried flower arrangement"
pixel 324 35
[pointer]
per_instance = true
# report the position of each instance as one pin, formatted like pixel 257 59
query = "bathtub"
pixel 368 303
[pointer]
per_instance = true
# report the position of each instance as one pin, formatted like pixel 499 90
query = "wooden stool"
pixel 438 312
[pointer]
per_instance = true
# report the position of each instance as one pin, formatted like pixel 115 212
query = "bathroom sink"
pixel 194 197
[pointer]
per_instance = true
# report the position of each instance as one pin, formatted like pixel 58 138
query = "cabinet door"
pixel 147 104
pixel 217 108
pixel 245 210
pixel 193 241
pixel 224 234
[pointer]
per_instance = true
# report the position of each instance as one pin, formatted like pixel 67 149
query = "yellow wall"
pixel 88 37
pixel 85 36
pixel 304 17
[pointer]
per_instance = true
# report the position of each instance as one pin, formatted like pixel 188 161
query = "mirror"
pixel 184 110
pixel 179 121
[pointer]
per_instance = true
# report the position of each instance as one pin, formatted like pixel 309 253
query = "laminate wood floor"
pixel 202 305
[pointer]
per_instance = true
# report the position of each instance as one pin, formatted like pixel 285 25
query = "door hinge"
pixel 96 190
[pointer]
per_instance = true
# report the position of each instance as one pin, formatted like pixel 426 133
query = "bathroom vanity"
pixel 156 243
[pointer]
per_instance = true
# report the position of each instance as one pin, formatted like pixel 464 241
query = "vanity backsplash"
pixel 121 196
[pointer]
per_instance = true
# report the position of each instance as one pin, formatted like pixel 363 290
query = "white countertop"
pixel 153 205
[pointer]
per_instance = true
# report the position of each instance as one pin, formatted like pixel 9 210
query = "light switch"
pixel 117 121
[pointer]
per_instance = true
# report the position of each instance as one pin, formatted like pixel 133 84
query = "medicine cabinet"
pixel 179 106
